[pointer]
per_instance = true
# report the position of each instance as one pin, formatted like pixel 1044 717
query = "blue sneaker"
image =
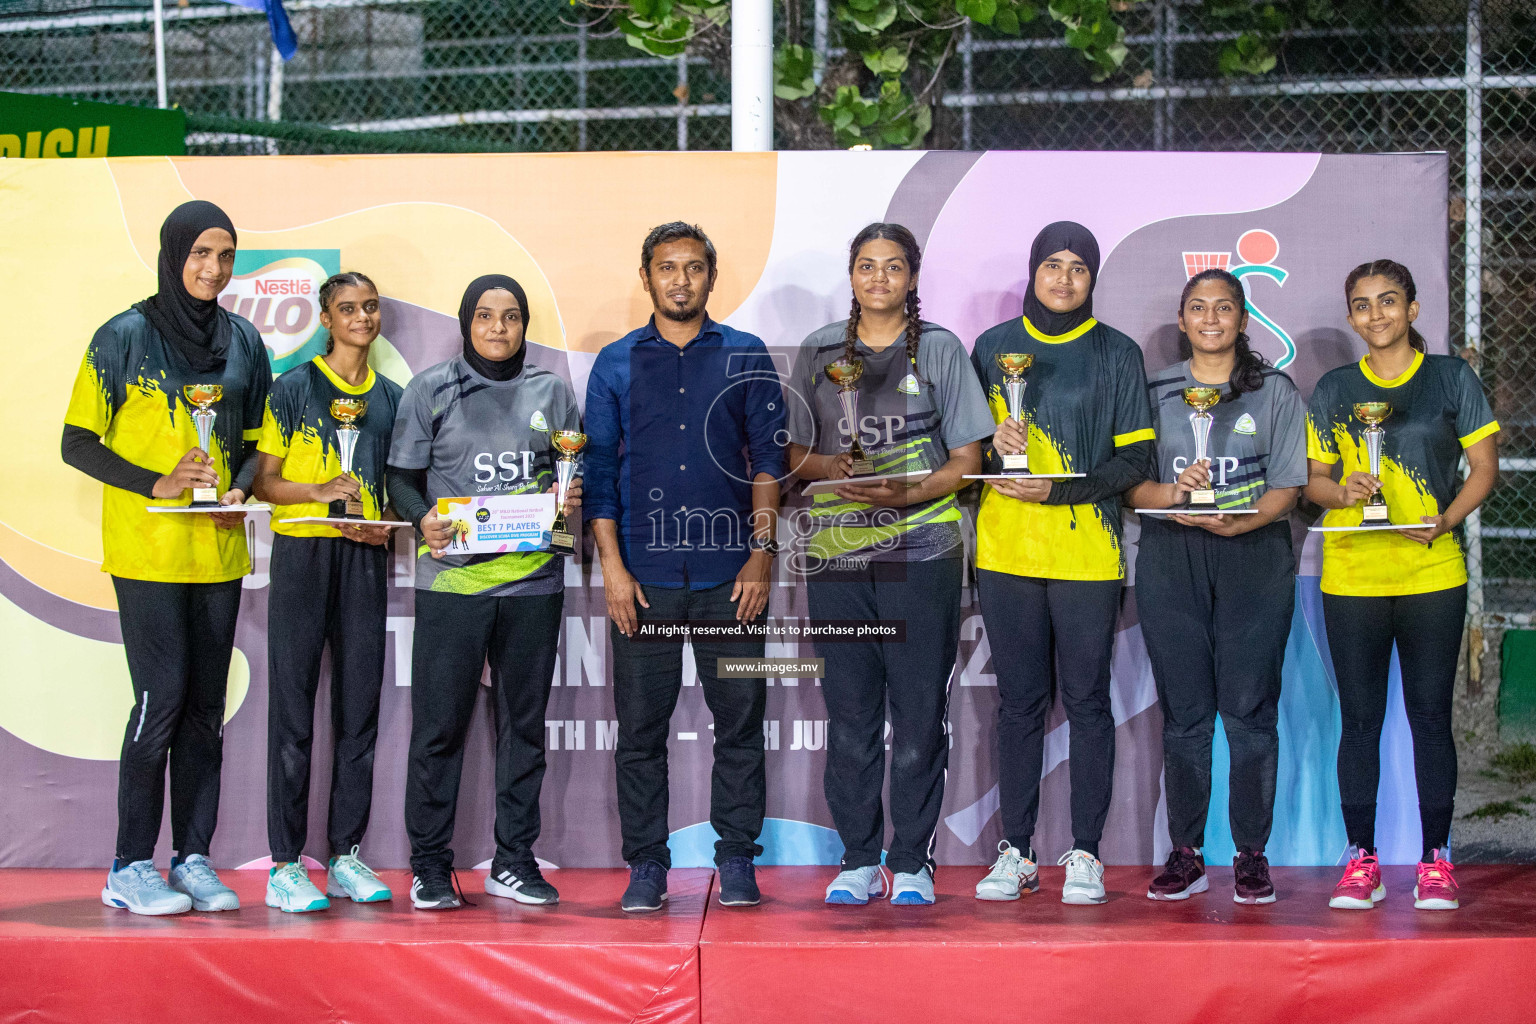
pixel 290 890
pixel 913 890
pixel 647 887
pixel 195 877
pixel 855 886
pixel 139 889
pixel 738 883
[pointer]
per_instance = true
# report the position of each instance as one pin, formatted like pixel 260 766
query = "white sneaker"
pixel 856 885
pixel 1012 875
pixel 195 877
pixel 290 890
pixel 1085 878
pixel 139 889
pixel 915 890
pixel 350 877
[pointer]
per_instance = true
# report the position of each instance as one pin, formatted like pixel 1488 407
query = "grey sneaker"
pixel 855 886
pixel 139 889
pixel 1012 874
pixel 1085 878
pixel 195 877
pixel 913 890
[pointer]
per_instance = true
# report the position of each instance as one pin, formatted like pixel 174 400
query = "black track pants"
pixel 324 590
pixel 455 635
pixel 178 638
pixel 1215 614
pixel 910 680
pixel 1427 631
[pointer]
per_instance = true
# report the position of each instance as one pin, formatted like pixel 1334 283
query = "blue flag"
pixel 277 19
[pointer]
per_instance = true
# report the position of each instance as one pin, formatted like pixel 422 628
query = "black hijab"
pixel 1053 238
pixel 194 327
pixel 491 369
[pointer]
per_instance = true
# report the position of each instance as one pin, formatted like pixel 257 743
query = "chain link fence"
pixel 530 75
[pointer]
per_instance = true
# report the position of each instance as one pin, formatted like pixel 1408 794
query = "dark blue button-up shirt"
pixel 674 439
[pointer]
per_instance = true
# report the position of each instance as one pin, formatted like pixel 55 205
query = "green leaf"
pixel 888 62
pixel 794 70
pixel 1006 21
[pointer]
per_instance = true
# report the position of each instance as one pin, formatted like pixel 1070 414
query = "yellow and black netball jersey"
pixel 1438 408
pixel 299 429
pixel 129 390
pixel 1086 395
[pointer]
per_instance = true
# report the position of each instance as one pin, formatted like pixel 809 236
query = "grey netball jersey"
pixel 1258 439
pixel 476 437
pixel 910 417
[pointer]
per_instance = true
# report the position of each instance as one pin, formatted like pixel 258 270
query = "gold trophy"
pixel 348 411
pixel 202 397
pixel 1201 400
pixel 1371 414
pixel 1014 365
pixel 845 373
pixel 567 443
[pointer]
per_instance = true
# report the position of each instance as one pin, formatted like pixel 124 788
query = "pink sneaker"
pixel 1436 888
pixel 1360 888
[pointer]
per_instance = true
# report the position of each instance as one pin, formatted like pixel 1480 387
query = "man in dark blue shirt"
pixel 685 423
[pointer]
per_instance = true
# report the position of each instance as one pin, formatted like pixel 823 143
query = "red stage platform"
pixel 1205 960
pixel 65 957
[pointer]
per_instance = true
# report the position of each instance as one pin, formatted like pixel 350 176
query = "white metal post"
pixel 1472 285
pixel 819 26
pixel 682 102
pixel 752 75
pixel 274 93
pixel 161 98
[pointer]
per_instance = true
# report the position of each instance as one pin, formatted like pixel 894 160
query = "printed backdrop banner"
pixel 78 243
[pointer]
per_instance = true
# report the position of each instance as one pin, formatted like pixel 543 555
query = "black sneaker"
pixel 432 889
pixel 521 881
pixel 1251 871
pixel 1183 876
pixel 738 883
pixel 647 887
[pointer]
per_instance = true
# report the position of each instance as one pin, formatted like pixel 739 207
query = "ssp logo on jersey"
pixel 278 290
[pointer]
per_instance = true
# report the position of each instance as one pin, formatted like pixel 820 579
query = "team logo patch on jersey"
pixel 1245 425
pixel 537 421
pixel 908 385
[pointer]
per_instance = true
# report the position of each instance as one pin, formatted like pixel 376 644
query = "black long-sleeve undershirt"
pixel 408 493
pixel 1130 465
pixel 82 449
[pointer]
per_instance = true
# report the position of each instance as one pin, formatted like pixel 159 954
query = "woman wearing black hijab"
pixel 177 577
pixel 1049 558
pixel 480 424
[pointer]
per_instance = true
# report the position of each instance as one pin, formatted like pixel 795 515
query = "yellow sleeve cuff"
pixel 1326 458
pixel 1145 434
pixel 1480 433
pixel 254 434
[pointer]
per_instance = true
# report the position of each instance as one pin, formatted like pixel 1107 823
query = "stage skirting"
pixel 69 960
pixel 569 227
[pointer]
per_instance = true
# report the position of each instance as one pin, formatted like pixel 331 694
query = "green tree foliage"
pixel 882 94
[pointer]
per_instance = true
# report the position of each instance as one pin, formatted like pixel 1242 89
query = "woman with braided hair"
pixel 888 552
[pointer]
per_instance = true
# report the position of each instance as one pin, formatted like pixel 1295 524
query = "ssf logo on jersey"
pixel 278 290
pixel 495 470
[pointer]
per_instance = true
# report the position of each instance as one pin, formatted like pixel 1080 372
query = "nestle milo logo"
pixel 278 290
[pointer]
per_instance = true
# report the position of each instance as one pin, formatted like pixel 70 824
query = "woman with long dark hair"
pixel 1405 586
pixel 1049 560
pixel 329 587
pixel 177 575
pixel 1215 593
pixel 888 552
pixel 480 424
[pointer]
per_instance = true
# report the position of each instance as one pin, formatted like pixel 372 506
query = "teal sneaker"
pixel 195 877
pixel 355 880
pixel 139 889
pixel 290 890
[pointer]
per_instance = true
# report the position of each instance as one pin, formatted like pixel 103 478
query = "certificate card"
pixel 498 523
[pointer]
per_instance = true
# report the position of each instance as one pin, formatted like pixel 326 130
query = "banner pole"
pixel 161 99
pixel 752 75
